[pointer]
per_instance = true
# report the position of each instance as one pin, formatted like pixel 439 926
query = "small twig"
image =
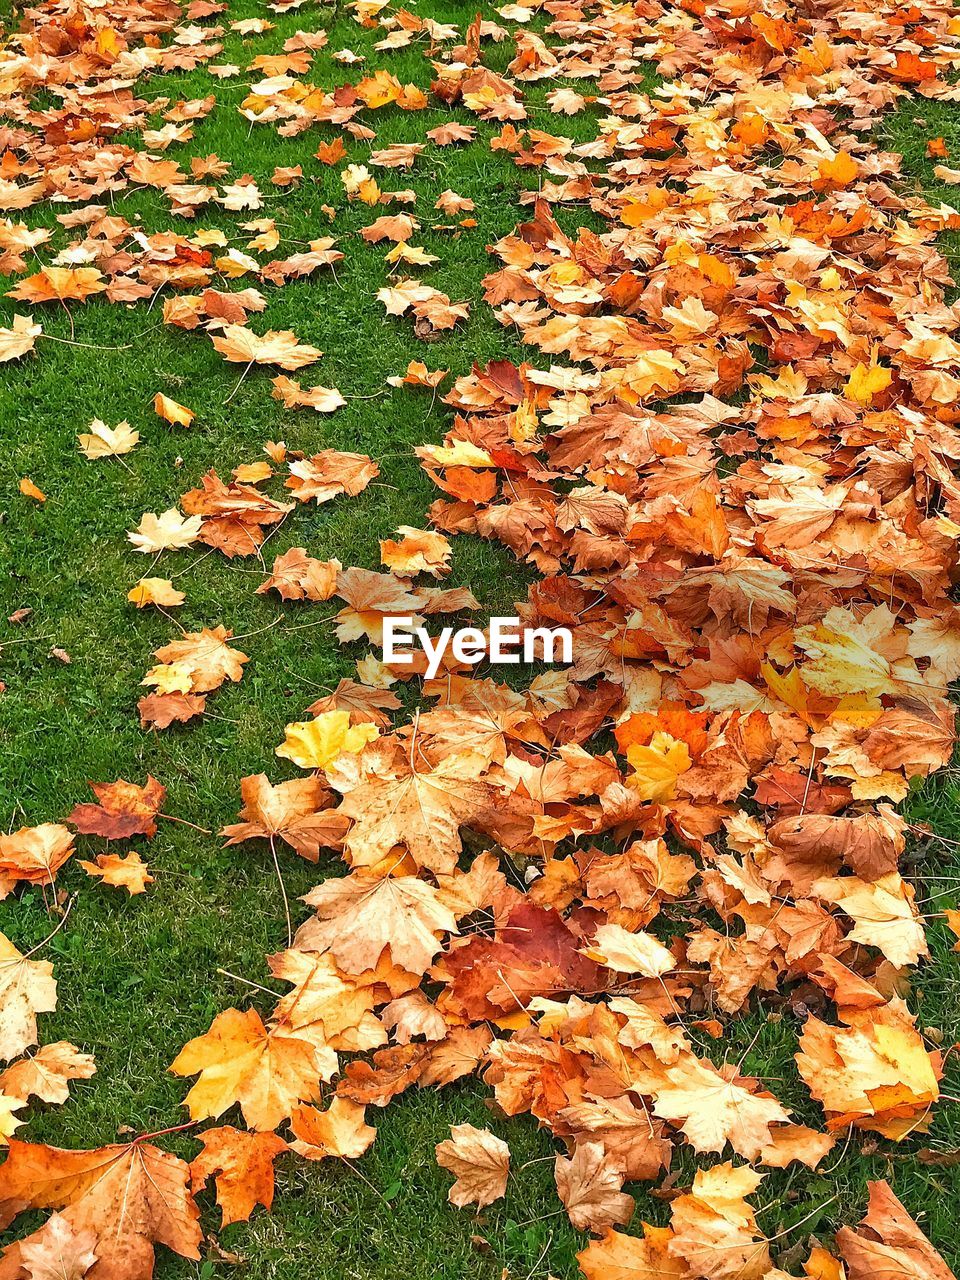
pixel 184 823
pixel 283 890
pixel 247 635
pixel 159 1133
pixel 53 933
pixel 248 983
pixel 237 387
pixel 89 346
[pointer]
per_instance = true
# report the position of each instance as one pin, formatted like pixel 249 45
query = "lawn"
pixel 139 977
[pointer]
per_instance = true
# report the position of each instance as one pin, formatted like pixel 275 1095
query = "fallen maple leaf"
pixel 123 872
pixel 206 658
pixel 366 705
pixel 27 987
pixel 590 1188
pixel 164 709
pixel 168 531
pixel 422 811
pixel 339 1131
pixel 327 475
pixel 479 1161
pixel 873 1072
pixel 883 912
pixel 158 591
pixel 359 916
pixel 128 1197
pixel 35 854
pixel 621 1257
pixel 101 441
pixel 324 1005
pixel 293 396
pixel 314 744
pixel 47 1074
pixel 30 490
pixel 390 1072
pixel 58 1251
pixel 297 576
pixel 239 1060
pixel 242 346
pixel 18 340
pixel 242 1166
pixel 627 952
pixel 889 1243
pixel 124 809
pixel 418 551
pixel 715 1232
pixel 59 284
pixel 294 812
pixel 418 375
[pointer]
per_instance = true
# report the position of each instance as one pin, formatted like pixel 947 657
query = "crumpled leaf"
pixel 889 1243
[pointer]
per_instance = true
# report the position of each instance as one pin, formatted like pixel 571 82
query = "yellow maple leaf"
pixel 657 767
pixel 866 382
pixel 267 1071
pixel 313 744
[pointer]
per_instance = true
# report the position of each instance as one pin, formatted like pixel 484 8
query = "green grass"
pixel 139 977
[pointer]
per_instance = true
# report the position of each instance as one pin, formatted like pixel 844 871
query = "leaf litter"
pixel 731 465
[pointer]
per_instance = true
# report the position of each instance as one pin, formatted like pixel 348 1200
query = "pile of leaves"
pixel 738 490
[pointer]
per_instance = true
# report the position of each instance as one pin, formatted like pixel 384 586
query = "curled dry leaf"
pixel 35 854
pixel 31 490
pixel 293 396
pixel 329 474
pixel 177 415
pixel 889 1243
pixel 417 551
